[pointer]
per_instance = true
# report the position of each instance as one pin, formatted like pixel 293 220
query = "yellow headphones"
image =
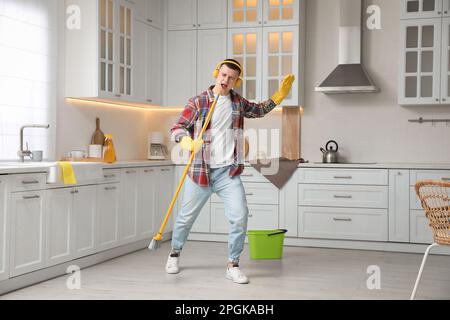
pixel 239 80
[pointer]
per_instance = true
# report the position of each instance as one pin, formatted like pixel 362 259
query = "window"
pixel 28 61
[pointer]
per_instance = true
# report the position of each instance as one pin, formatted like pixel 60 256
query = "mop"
pixel 156 241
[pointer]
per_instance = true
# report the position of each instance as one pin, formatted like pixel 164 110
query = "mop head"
pixel 154 244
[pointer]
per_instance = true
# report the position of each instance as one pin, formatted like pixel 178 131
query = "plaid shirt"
pixel 192 119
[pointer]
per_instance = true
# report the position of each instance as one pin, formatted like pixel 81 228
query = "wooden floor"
pixel 303 273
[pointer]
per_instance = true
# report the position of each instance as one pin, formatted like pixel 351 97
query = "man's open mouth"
pixel 224 86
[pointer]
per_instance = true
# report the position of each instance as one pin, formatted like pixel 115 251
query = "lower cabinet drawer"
pixel 419 228
pixel 328 195
pixel 261 217
pixel 343 223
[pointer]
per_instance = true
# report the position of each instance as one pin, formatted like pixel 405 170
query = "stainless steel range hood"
pixel 349 76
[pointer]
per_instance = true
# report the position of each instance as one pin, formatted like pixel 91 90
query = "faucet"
pixel 27 153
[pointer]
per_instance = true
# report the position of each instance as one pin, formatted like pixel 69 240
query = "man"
pixel 218 159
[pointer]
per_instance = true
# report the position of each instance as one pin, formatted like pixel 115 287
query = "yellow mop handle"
pixel 191 158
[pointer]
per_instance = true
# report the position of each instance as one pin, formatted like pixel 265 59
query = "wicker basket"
pixel 434 196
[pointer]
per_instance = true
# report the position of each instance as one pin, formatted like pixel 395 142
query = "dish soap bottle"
pixel 110 153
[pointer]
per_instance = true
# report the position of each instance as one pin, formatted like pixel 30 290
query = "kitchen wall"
pixel 368 127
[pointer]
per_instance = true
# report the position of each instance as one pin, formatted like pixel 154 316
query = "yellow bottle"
pixel 110 153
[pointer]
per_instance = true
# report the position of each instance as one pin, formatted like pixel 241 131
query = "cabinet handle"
pixel 259 22
pixel 445 179
pixel 250 215
pixel 198 25
pixel 118 95
pixel 149 100
pixel 30 181
pixel 194 25
pixel 439 12
pixel 341 219
pixel 343 177
pixel 444 100
pixel 130 171
pixel 249 194
pixel 74 191
pixel 110 188
pixel 437 100
pixel 150 20
pixel 165 169
pixel 31 197
pixel 445 12
pixel 147 171
pixel 342 197
pixel 109 176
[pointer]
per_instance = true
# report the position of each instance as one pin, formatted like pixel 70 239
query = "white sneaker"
pixel 236 275
pixel 172 265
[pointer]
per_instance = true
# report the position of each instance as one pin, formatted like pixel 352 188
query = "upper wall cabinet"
pixel 425 52
pixel 419 9
pixel 150 12
pixel 99 50
pixel 267 55
pixel 197 14
pixel 253 13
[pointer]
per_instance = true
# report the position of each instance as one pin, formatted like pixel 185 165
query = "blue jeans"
pixel 232 193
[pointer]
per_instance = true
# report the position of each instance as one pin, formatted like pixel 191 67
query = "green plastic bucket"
pixel 266 244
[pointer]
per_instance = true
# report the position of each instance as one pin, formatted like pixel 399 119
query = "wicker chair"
pixel 434 196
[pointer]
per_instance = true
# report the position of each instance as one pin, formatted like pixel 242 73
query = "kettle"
pixel 330 154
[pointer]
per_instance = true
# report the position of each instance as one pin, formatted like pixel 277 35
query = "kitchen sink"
pixel 85 172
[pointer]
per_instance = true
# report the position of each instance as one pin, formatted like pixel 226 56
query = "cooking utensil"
pixel 330 153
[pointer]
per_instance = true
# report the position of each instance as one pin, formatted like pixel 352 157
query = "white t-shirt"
pixel 222 137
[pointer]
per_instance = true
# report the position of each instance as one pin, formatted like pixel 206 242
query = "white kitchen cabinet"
pixel 27 251
pixel 446 8
pixel 343 223
pixel 151 12
pixel 59 229
pixel 399 205
pixel 108 207
pixel 4 230
pixel 197 14
pixel 146 202
pixel 253 13
pixel 445 61
pixel 267 56
pixel 163 197
pixel 156 192
pixel 148 54
pixel 99 54
pixel 349 204
pixel 420 230
pixel 420 70
pixel 415 9
pixel 84 221
pixel 191 73
pixel 129 209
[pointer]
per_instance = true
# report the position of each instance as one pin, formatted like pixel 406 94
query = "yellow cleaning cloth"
pixel 67 174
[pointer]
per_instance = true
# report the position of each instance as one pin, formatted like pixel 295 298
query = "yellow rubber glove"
pixel 192 145
pixel 284 90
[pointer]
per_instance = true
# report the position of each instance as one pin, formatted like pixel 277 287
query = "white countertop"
pixel 11 167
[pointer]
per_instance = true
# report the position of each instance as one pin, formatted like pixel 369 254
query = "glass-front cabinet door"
pixel 280 52
pixel 445 76
pixel 244 13
pixel 125 48
pixel 245 46
pixel 281 12
pixel 446 8
pixel 107 45
pixel 413 9
pixel 420 62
